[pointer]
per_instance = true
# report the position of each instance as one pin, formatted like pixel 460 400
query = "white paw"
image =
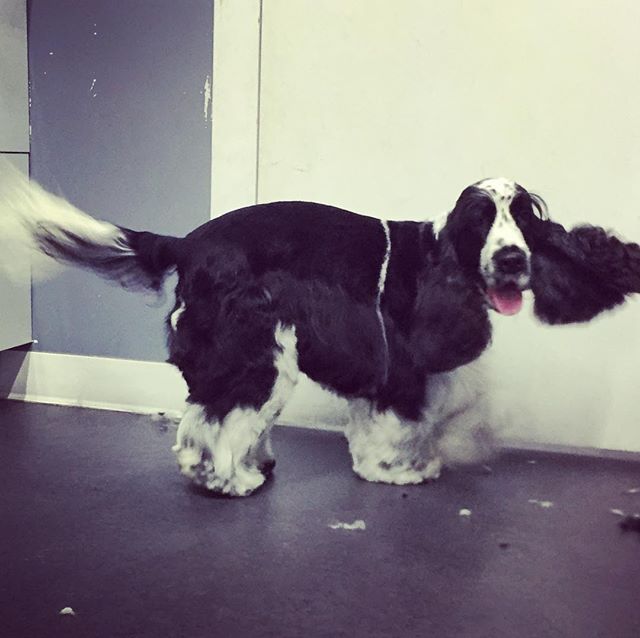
pixel 200 468
pixel 189 458
pixel 242 483
pixel 401 474
pixel 395 476
pixel 433 469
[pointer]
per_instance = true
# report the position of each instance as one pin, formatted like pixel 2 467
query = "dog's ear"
pixel 577 274
pixel 539 206
pixel 450 320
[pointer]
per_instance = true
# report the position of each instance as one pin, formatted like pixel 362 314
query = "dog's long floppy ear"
pixel 577 274
pixel 450 319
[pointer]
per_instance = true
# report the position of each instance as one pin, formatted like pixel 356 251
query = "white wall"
pixel 14 95
pixel 15 294
pixel 235 104
pixel 391 108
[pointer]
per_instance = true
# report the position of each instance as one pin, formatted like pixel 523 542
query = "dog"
pixel 393 316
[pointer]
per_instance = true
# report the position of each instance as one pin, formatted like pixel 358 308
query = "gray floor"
pixel 94 516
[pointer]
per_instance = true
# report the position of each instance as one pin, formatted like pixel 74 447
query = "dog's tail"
pixel 36 226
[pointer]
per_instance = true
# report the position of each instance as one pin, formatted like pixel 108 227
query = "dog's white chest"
pixel 452 392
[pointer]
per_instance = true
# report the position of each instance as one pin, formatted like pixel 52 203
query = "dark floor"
pixel 94 516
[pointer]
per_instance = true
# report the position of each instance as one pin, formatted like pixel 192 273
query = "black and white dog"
pixel 391 315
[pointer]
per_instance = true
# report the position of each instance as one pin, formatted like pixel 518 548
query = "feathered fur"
pixel 577 274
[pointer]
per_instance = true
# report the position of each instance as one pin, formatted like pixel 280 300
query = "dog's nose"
pixel 510 260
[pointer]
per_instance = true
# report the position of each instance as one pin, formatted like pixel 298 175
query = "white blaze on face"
pixel 504 232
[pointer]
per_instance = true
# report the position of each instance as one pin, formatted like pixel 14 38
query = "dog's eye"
pixel 522 212
pixel 482 212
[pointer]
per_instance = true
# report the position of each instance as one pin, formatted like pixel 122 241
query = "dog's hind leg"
pixel 231 453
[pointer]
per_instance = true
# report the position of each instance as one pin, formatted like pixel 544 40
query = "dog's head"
pixel 491 230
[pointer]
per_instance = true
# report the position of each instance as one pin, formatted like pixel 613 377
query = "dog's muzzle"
pixel 509 276
pixel 511 261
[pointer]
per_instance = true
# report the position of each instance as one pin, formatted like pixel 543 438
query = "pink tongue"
pixel 506 300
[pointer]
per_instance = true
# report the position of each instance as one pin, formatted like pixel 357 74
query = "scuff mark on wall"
pixel 207 98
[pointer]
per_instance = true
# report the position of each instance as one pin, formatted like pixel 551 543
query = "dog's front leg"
pixel 387 449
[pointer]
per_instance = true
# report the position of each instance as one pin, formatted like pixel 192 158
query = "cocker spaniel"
pixel 391 315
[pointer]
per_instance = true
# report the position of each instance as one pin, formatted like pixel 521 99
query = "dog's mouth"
pixel 505 298
pixel 506 274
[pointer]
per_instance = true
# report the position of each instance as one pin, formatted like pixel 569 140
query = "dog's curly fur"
pixel 579 273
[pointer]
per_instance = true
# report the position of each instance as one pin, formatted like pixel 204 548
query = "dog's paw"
pixel 190 459
pixel 400 473
pixel 198 466
pixel 244 481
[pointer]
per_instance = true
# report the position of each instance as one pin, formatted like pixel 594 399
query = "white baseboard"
pixel 91 382
pixel 142 387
